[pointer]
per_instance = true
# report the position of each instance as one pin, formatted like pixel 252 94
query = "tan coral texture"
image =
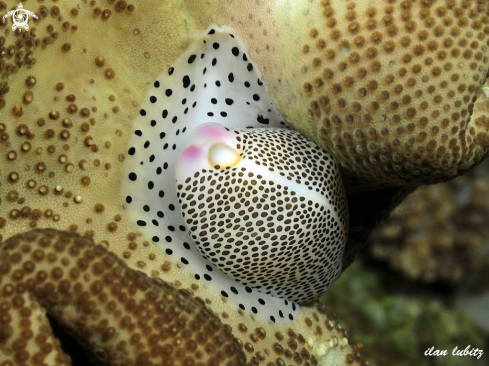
pixel 72 86
pixel 121 316
pixel 388 87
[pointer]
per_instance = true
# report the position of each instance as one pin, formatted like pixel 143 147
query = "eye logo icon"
pixel 20 16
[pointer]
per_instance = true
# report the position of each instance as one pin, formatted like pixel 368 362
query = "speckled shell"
pixel 276 220
pixel 213 81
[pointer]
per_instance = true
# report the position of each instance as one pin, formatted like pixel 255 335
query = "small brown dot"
pixel 362 73
pixel 54 11
pixel 120 6
pixel 59 86
pixel 64 135
pixel 112 227
pixel 330 54
pixel 72 108
pixel 85 127
pixel 328 74
pixel 99 208
pixel 49 134
pixel 66 47
pixel 17 111
pixel 106 13
pixel 54 115
pixel 69 168
pixel 62 158
pixel 74 12
pixel 40 168
pixel 31 183
pixel 84 112
pixel 30 81
pixel 28 97
pixel 109 74
pixel 11 155
pixel 22 129
pixel 436 71
pixel 12 196
pixel 67 122
pixel 85 181
pixel 307 87
pixel 43 190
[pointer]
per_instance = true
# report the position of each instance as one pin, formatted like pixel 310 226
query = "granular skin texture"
pixel 119 315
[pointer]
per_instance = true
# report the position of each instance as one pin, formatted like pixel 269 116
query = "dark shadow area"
pixel 367 210
pixel 69 345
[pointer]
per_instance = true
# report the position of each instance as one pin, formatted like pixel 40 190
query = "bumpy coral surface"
pixel 391 88
pixel 120 315
pixel 72 86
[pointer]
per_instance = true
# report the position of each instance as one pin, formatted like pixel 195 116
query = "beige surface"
pixel 387 87
pixel 119 315
pixel 63 135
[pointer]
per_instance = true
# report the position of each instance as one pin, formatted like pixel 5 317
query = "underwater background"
pixel 422 281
